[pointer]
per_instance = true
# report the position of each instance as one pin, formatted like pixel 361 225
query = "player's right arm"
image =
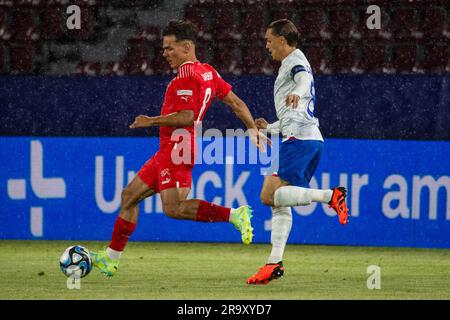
pixel 181 99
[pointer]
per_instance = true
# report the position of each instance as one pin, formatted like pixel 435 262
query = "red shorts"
pixel 159 173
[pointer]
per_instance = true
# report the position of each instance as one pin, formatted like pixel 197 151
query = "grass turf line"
pixel 152 270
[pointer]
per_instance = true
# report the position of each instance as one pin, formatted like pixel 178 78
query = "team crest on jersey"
pixel 165 172
pixel 165 176
pixel 207 76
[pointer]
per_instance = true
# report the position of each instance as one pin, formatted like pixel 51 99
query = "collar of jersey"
pixel 290 54
pixel 185 63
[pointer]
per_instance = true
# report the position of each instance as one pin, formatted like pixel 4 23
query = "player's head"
pixel 179 39
pixel 281 37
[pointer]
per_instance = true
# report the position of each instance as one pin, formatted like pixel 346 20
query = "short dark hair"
pixel 182 30
pixel 287 29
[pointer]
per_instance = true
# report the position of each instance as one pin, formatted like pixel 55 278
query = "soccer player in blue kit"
pixel 301 147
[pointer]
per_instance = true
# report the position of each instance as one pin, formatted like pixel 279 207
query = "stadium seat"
pixel 342 22
pixel 227 20
pixel 139 57
pixel 23 25
pixel 230 24
pixel 88 3
pixel 159 65
pixel 150 33
pixel 270 67
pixel 313 25
pixel 27 3
pixel 5 33
pixel 32 33
pixel 374 58
pixel 134 4
pixel 436 58
pixel 3 17
pixel 226 59
pixel 435 23
pixel 142 66
pixel 53 23
pixel 204 50
pixel 22 59
pixel 2 59
pixel 406 26
pixel 283 9
pixel 116 68
pixel 318 56
pixel 253 58
pixel 88 68
pixel 253 24
pixel 138 49
pixel 404 58
pixel 345 58
pixel 201 16
pixel 5 30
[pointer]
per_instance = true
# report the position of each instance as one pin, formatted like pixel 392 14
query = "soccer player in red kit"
pixel 168 172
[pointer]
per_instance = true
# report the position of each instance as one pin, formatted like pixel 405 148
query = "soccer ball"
pixel 76 261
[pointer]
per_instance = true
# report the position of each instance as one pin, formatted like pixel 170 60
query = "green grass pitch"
pixel 169 271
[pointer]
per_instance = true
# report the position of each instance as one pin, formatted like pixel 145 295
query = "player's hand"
pixel 259 139
pixel 292 100
pixel 141 121
pixel 261 123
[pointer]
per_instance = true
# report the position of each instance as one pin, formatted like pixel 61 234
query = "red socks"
pixel 210 212
pixel 122 231
pixel 206 212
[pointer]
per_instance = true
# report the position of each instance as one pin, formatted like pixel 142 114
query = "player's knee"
pixel 127 197
pixel 173 211
pixel 266 199
pixel 183 208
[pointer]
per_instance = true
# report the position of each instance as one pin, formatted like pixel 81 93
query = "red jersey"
pixel 194 88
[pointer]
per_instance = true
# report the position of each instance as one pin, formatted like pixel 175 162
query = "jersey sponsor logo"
pixel 184 92
pixel 185 98
pixel 207 76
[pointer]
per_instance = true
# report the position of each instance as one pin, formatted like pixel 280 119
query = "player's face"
pixel 174 52
pixel 274 45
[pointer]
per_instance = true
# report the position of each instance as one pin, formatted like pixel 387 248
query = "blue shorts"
pixel 298 161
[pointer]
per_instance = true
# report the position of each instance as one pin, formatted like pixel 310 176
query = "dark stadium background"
pixel 391 83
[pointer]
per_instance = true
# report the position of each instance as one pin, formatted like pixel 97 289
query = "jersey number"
pixel 205 102
pixel 312 101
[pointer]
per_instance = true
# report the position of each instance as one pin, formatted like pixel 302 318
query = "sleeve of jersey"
pixel 274 128
pixel 185 94
pixel 302 80
pixel 222 87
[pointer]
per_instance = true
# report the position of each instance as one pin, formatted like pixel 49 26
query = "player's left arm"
pixel 241 110
pixel 182 118
pixel 302 80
